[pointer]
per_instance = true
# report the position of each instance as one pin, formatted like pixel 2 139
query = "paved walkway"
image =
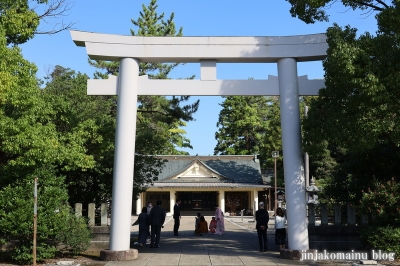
pixel 238 246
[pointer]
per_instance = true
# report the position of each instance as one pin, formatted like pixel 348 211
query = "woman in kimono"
pixel 143 227
pixel 219 216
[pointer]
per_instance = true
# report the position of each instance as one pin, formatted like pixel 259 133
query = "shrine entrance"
pixel 285 51
pixel 197 201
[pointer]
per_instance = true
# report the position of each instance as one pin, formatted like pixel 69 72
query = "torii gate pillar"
pixel 292 159
pixel 124 154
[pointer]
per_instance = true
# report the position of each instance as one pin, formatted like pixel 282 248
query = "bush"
pixel 56 223
pixel 382 202
pixel 77 237
pixel 385 238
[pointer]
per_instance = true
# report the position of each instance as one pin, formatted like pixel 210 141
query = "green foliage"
pixel 23 254
pixel 249 125
pixel 90 121
pixel 382 202
pixel 354 120
pixel 76 235
pixel 159 116
pixel 18 20
pixel 31 146
pixel 54 217
pixel 252 125
pixel 384 238
pixel 311 11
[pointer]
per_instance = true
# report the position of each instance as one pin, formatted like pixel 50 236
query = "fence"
pixel 101 233
pixel 336 227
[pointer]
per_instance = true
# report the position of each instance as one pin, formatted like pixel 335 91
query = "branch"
pixel 375 7
pixel 55 9
pixel 151 111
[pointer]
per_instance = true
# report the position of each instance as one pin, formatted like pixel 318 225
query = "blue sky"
pixel 198 18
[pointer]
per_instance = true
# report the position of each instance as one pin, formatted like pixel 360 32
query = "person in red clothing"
pixel 202 228
pixel 213 225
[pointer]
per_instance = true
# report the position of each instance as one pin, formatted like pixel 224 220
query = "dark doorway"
pixel 197 201
pixel 235 202
pixel 154 196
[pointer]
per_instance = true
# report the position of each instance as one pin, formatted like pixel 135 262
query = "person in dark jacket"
pixel 262 218
pixel 142 221
pixel 177 217
pixel 157 219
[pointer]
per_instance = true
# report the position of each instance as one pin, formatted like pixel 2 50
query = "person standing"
pixel 177 217
pixel 149 206
pixel 142 221
pixel 157 219
pixel 280 230
pixel 262 219
pixel 219 216
pixel 196 222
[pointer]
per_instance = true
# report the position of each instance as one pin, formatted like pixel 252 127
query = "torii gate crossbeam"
pixel 130 50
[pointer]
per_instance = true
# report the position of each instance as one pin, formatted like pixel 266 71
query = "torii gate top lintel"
pixel 265 49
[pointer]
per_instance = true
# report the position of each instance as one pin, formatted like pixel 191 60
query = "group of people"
pixel 262 219
pixel 216 227
pixel 153 217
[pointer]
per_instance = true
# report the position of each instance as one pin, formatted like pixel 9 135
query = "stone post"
pixel 338 214
pixel 351 214
pixel 324 214
pixel 78 209
pixel 104 214
pixel 91 214
pixel 311 214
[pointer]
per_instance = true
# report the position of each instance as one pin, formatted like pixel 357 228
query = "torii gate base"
pixel 123 255
pixel 130 50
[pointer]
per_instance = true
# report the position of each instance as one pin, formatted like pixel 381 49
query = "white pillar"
pixel 222 200
pixel 172 201
pixel 255 199
pixel 124 155
pixel 139 205
pixel 292 156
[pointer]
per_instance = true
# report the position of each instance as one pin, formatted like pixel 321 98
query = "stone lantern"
pixel 312 192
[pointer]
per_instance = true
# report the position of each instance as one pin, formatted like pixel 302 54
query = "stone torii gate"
pixel 130 50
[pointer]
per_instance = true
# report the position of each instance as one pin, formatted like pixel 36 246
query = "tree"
pixel 165 116
pixel 94 118
pixel 359 100
pixel 249 125
pixel 21 22
pixel 159 119
pixel 381 202
pixel 31 146
pixel 353 121
pixel 311 11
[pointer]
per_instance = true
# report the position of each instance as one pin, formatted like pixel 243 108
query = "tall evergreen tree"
pixel 355 117
pixel 249 125
pixel 165 116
